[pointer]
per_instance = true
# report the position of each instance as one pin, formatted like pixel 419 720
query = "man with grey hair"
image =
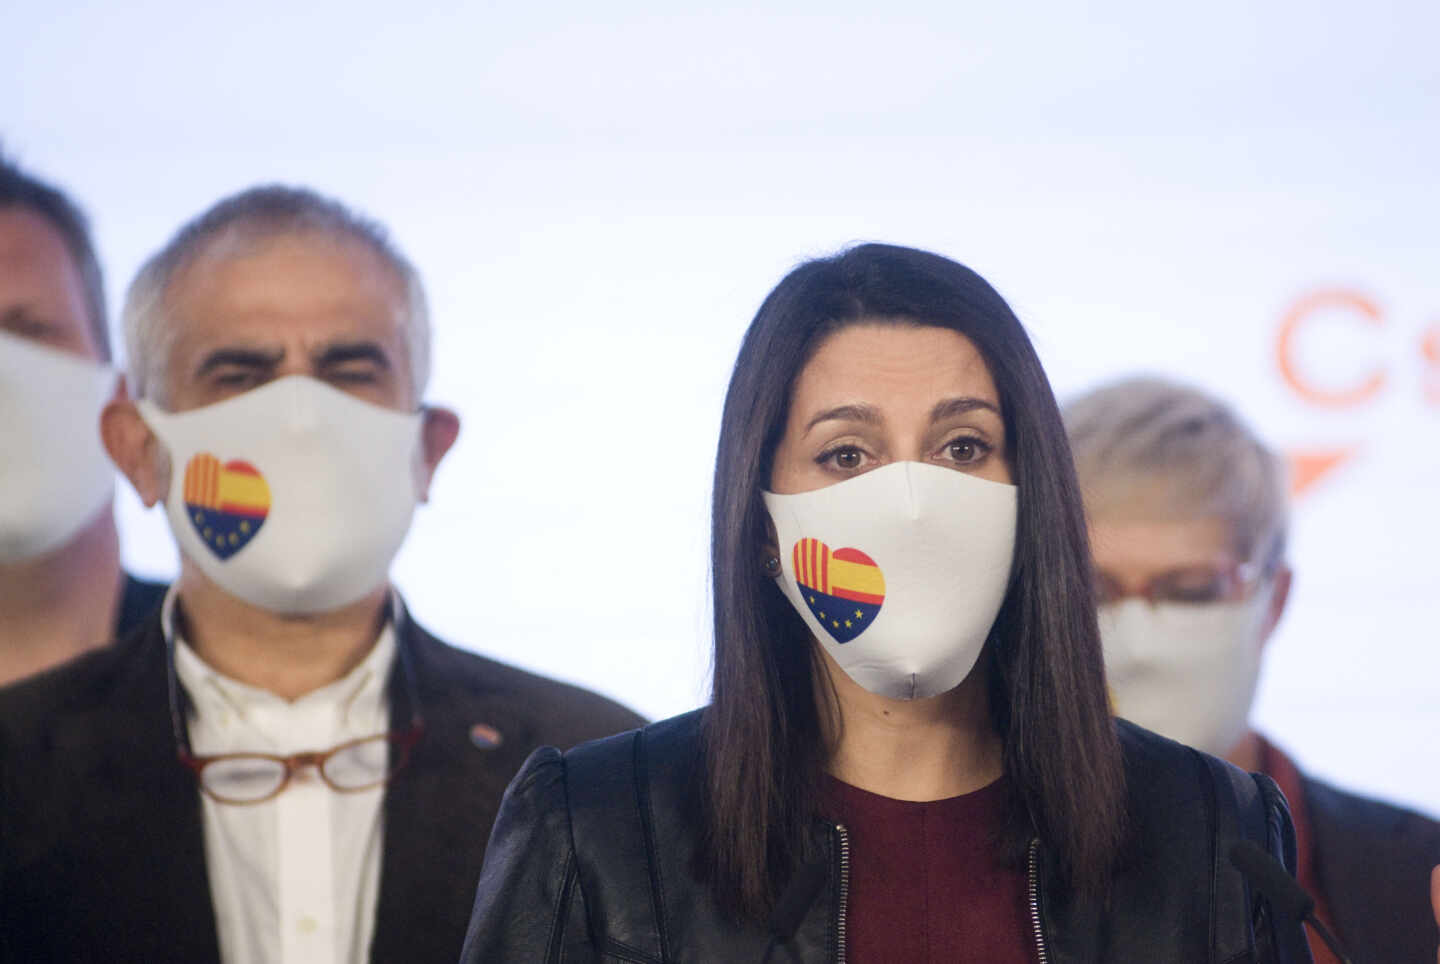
pixel 279 765
pixel 62 591
pixel 1188 519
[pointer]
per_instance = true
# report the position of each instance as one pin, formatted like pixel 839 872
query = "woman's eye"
pixel 967 450
pixel 847 458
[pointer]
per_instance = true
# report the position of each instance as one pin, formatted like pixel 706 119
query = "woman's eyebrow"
pixel 847 413
pixel 951 407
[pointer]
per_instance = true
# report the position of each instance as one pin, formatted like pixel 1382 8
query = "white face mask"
pixel 899 572
pixel 54 475
pixel 1186 671
pixel 294 496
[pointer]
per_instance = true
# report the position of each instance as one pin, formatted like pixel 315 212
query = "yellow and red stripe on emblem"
pixel 846 573
pixel 236 488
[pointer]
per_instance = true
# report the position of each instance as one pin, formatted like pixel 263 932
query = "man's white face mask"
pixel 1186 670
pixel 54 474
pixel 294 496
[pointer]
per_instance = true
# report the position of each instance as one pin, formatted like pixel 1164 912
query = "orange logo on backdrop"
pixel 1309 466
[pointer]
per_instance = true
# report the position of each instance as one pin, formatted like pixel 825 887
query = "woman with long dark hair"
pixel 908 754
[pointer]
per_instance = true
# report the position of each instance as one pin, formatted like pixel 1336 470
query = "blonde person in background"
pixel 1188 523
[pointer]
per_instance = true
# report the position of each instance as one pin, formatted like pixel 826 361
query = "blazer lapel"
pixel 140 841
pixel 439 809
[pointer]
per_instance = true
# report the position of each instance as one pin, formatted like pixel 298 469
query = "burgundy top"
pixel 926 882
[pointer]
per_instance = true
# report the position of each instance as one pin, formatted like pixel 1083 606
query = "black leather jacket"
pixel 590 860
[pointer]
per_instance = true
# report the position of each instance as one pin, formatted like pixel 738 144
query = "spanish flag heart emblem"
pixel 844 588
pixel 227 503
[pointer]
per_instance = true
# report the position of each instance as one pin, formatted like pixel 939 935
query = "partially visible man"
pixel 62 591
pixel 280 765
pixel 1188 522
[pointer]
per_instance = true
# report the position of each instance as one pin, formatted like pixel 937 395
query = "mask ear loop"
pixel 177 723
pixel 405 740
pixel 404 667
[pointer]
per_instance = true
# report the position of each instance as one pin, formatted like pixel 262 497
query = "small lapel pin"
pixel 485 737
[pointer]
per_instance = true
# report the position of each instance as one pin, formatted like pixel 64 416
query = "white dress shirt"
pixel 295 879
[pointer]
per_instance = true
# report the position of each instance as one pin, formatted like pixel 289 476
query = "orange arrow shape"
pixel 1308 467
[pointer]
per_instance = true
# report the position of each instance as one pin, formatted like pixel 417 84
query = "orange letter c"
pixel 1290 326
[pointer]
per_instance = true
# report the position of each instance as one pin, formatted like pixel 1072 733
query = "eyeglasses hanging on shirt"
pixel 243 778
pixel 248 778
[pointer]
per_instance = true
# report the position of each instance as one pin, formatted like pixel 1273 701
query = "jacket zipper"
pixel 1042 956
pixel 844 836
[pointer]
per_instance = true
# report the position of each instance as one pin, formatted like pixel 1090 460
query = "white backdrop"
pixel 599 197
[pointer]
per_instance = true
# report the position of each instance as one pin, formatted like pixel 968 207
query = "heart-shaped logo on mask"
pixel 843 588
pixel 227 504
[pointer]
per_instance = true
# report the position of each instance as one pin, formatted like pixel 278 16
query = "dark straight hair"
pixel 762 735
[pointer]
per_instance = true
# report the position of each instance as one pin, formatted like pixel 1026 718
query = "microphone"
pixel 1275 884
pixel 799 896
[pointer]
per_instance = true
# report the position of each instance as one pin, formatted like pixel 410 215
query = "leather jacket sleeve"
pixel 1284 941
pixel 1262 816
pixel 528 905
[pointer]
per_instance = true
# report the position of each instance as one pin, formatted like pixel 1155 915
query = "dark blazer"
pixel 101 841
pixel 592 858
pixel 1374 861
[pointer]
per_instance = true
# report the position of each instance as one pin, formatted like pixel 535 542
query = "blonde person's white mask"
pixel 54 475
pixel 899 572
pixel 294 496
pixel 1186 671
